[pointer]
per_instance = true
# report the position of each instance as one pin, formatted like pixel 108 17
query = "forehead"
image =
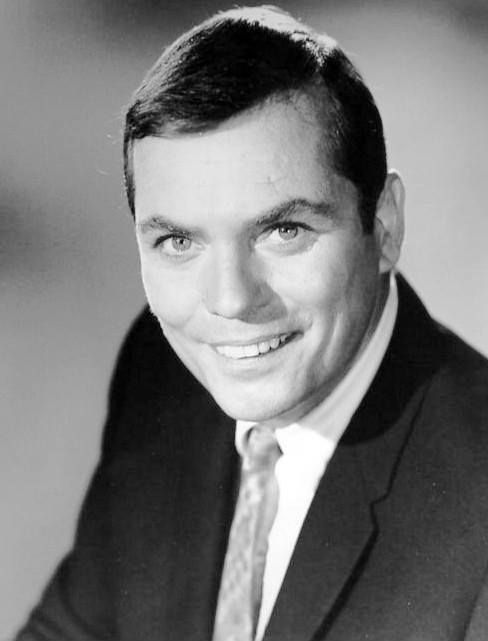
pixel 273 152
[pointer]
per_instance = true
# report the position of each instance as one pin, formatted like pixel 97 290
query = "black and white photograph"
pixel 244 320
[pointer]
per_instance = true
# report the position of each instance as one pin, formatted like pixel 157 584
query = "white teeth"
pixel 274 342
pixel 249 351
pixel 264 347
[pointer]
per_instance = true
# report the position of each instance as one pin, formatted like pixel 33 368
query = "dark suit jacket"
pixel 394 547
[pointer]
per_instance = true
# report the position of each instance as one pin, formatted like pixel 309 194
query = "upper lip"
pixel 251 341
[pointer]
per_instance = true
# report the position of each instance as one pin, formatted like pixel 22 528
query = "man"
pixel 269 229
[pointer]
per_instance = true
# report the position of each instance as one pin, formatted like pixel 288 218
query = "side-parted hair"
pixel 242 58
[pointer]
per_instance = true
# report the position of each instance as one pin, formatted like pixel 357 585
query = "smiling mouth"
pixel 237 352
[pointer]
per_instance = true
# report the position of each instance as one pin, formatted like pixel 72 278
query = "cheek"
pixel 315 282
pixel 330 290
pixel 173 302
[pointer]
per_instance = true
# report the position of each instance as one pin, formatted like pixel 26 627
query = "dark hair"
pixel 241 58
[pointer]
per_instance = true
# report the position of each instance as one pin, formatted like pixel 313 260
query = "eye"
pixel 173 245
pixel 287 238
pixel 180 243
pixel 287 232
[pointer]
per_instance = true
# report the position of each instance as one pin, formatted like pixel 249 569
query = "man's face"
pixel 254 259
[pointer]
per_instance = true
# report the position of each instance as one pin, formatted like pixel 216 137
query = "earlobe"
pixel 389 221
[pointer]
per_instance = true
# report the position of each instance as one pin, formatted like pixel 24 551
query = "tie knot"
pixel 262 449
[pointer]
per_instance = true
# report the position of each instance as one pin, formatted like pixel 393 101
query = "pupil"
pixel 288 231
pixel 180 243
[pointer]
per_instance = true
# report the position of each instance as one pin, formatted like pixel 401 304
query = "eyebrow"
pixel 291 208
pixel 281 212
pixel 160 223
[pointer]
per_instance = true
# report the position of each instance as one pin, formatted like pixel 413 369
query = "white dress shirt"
pixel 307 446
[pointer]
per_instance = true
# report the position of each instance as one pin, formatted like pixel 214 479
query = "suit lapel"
pixel 205 499
pixel 340 529
pixel 334 537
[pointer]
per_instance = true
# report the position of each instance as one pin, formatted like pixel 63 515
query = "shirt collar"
pixel 329 419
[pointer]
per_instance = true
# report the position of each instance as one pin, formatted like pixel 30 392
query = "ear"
pixel 389 221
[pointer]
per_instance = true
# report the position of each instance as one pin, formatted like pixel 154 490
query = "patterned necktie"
pixel 241 584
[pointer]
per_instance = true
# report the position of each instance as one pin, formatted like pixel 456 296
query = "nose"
pixel 234 286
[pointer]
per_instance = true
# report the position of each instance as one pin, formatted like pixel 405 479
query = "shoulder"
pixel 454 369
pixel 463 364
pixel 146 361
pixel 449 379
pixel 150 388
pixel 458 393
pixel 448 447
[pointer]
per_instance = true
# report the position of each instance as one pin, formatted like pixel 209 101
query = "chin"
pixel 243 411
pixel 253 410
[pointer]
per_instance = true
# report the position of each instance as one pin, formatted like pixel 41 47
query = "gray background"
pixel 69 282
